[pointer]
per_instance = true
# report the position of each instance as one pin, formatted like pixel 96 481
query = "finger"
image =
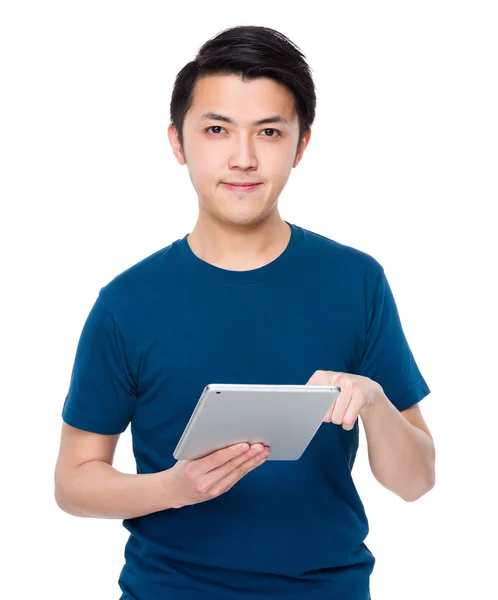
pixel 353 411
pixel 318 378
pixel 216 459
pixel 342 403
pixel 328 416
pixel 339 381
pixel 223 484
pixel 235 464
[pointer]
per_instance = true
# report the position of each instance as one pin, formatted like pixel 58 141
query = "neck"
pixel 239 247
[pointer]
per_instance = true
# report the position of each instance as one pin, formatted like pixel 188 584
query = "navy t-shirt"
pixel 172 323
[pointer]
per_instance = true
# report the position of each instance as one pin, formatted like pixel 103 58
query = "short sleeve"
pixel 387 357
pixel 101 396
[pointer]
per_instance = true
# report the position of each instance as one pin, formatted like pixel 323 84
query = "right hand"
pixel 196 481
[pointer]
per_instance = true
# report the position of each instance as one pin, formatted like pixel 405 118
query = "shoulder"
pixel 342 260
pixel 131 288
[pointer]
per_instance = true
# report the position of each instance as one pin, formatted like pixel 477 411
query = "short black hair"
pixel 249 51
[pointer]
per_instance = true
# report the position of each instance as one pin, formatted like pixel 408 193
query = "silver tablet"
pixel 283 417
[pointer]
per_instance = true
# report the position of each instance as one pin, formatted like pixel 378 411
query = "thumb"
pixel 324 377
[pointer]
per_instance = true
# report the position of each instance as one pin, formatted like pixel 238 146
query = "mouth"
pixel 244 187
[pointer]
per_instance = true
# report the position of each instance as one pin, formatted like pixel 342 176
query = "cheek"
pixel 204 168
pixel 281 164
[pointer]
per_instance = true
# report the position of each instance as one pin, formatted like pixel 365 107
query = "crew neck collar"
pixel 282 261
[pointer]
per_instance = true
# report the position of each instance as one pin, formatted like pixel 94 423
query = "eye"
pixel 214 127
pixel 266 130
pixel 271 129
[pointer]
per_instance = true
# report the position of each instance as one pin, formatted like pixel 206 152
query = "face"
pixel 217 152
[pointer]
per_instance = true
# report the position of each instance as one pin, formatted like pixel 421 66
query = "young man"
pixel 246 297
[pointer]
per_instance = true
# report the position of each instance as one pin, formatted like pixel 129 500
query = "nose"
pixel 243 154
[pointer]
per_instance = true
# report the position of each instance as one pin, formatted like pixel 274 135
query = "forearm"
pixel 96 489
pixel 402 456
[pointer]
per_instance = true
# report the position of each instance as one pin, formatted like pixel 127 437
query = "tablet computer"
pixel 283 417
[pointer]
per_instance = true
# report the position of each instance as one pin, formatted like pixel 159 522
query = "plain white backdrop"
pixel 402 164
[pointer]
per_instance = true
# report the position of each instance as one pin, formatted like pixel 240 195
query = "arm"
pixel 401 450
pixel 86 484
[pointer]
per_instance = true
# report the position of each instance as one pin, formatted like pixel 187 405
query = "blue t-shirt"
pixel 172 323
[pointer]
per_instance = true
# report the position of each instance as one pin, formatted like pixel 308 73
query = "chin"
pixel 247 218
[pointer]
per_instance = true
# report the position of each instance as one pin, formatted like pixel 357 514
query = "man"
pixel 246 297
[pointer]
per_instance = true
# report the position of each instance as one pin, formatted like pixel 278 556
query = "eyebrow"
pixel 217 117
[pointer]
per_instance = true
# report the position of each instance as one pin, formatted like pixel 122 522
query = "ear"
pixel 302 148
pixel 175 144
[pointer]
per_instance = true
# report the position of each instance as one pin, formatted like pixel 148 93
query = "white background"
pixel 402 164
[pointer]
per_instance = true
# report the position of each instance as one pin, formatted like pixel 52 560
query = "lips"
pixel 238 187
pixel 242 184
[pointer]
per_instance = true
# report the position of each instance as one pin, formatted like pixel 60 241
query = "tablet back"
pixel 284 417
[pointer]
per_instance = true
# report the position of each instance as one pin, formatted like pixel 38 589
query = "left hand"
pixel 357 395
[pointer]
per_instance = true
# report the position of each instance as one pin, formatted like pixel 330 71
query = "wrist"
pixel 164 489
pixel 378 402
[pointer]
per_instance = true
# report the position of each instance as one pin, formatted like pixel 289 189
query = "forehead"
pixel 244 101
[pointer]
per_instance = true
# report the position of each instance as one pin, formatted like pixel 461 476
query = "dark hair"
pixel 249 51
